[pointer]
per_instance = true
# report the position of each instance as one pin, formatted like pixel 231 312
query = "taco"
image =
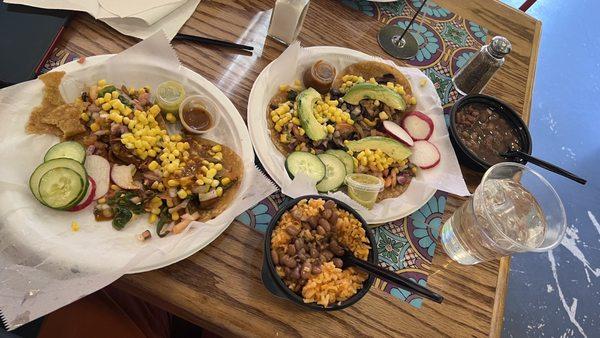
pixel 211 205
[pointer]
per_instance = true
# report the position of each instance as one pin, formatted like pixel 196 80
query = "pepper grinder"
pixel 287 19
pixel 475 75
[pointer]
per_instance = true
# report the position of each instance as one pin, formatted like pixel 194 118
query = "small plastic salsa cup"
pixel 169 96
pixel 364 188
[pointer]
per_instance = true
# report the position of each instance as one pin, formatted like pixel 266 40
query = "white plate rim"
pixel 262 154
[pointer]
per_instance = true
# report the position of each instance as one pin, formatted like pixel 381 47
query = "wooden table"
pixel 219 288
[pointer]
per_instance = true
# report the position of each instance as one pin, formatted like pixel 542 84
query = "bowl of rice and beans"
pixel 303 247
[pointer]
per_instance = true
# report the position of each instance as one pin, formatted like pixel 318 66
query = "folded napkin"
pixel 137 18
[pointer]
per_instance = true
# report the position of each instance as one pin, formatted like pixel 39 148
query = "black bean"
pixel 291 250
pixel 338 262
pixel 275 257
pixel 292 230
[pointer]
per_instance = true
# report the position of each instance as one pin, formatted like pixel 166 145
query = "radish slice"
pixel 397 132
pixel 98 168
pixel 122 175
pixel 418 125
pixel 425 155
pixel 89 197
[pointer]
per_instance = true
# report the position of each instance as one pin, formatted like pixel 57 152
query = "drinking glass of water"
pixel 514 209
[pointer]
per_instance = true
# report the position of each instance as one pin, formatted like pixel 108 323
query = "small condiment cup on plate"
pixel 199 114
pixel 364 188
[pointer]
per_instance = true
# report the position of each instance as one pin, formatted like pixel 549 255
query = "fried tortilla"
pixel 53 116
pixel 374 69
pixel 233 167
pixel 392 192
pixel 280 97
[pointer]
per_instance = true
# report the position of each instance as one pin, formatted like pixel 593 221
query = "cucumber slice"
pixel 335 173
pixel 68 149
pixel 305 162
pixel 60 187
pixel 42 169
pixel 344 157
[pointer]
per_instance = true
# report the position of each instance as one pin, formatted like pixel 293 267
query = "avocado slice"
pixel 391 147
pixel 372 91
pixel 306 101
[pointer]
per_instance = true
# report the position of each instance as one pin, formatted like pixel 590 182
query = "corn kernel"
pixel 219 191
pixel 74 226
pixel 101 83
pixel 94 127
pixel 199 182
pixel 154 110
pixel 225 181
pixel 182 193
pixel 211 173
pixel 175 215
pixel 152 218
pixel 215 183
pixel 218 167
pixel 106 106
pixel 107 97
pixel 85 117
pixel 171 118
pixel 216 148
pixel 153 165
pixel 115 187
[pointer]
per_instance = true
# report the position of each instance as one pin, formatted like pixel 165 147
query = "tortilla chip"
pixel 51 99
pixel 67 118
pixel 369 69
pixel 234 167
pixel 280 97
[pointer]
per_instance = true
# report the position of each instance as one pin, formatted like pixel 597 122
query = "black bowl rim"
pixel 293 296
pixel 507 112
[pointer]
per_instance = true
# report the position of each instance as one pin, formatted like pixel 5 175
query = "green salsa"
pixel 364 188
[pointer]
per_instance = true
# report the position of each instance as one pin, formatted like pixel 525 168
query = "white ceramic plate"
pixel 273 161
pixel 50 226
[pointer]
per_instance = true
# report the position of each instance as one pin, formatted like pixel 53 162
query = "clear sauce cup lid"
pixel 364 182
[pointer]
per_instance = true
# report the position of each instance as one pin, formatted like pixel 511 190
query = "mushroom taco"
pixel 347 121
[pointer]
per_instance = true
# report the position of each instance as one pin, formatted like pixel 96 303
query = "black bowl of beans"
pixel 482 127
pixel 303 243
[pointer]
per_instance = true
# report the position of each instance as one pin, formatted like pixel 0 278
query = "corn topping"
pixel 376 160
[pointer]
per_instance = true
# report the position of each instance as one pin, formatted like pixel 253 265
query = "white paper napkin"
pixel 289 65
pixel 43 264
pixel 137 18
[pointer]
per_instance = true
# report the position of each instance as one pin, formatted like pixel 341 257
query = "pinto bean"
pixel 336 248
pixel 325 224
pixel 316 269
pixel 326 255
pixel 321 231
pixel 327 213
pixel 299 244
pixel 333 219
pixel 314 253
pixel 313 221
pixel 292 230
pixel 329 204
pixel 338 262
pixel 291 250
pixel 275 257
pixel 295 275
pixel 288 261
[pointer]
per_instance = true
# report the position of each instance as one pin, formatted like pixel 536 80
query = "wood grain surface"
pixel 220 288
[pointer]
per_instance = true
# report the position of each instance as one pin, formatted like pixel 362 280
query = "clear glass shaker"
pixel 476 74
pixel 287 19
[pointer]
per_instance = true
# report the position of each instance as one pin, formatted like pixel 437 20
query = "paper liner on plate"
pixel 43 264
pixel 290 66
